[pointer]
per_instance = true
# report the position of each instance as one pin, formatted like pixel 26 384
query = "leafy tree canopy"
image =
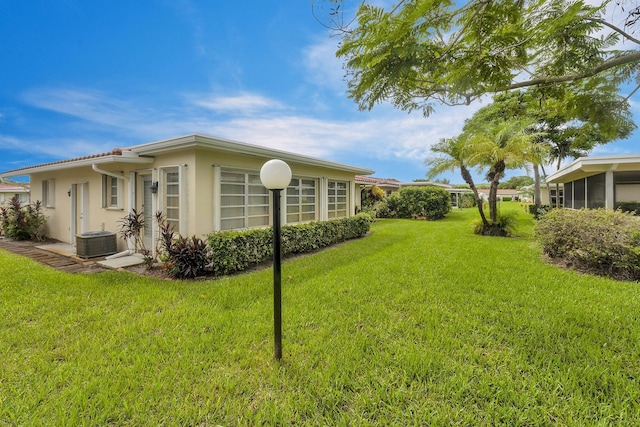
pixel 516 182
pixel 425 51
pixel 571 119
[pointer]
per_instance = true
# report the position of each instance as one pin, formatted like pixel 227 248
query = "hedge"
pixel 431 203
pixel 539 212
pixel 629 207
pixel 233 251
pixel 600 241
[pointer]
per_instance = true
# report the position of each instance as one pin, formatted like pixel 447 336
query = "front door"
pixel 79 210
pixel 147 210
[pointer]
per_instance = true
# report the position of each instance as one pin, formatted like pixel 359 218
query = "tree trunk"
pixel 493 200
pixel 537 196
pixel 494 176
pixel 544 173
pixel 466 175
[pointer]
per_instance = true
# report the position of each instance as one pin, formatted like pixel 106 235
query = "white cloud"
pixel 56 147
pixel 243 103
pixel 322 67
pixel 383 133
pixel 86 104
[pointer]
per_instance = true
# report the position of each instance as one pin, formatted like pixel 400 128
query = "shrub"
pixel 467 200
pixel 232 251
pixel 382 210
pixel 431 203
pixel 187 258
pixel 596 240
pixel 507 198
pixel 539 212
pixel 131 229
pixel 372 196
pixel 629 207
pixel 23 223
pixel 505 226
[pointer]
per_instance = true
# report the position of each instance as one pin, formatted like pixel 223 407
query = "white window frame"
pixel 295 191
pixel 251 187
pixel 109 183
pixel 334 199
pixel 167 195
pixel 48 193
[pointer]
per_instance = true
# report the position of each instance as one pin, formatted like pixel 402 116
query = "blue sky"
pixel 82 77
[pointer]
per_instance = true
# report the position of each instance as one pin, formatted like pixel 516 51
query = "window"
pixel 578 194
pixel 554 199
pixel 627 187
pixel 111 192
pixel 596 191
pixel 568 195
pixel 48 192
pixel 172 198
pixel 244 201
pixel 301 200
pixel 337 199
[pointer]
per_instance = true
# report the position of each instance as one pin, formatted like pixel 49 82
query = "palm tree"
pixel 455 152
pixel 508 145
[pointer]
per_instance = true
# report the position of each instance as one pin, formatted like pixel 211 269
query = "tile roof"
pixel 378 181
pixel 6 188
pixel 114 152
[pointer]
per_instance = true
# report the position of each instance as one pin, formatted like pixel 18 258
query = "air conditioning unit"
pixel 94 244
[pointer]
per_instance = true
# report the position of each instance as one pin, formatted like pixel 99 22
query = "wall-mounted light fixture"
pixel 69 193
pixel 154 187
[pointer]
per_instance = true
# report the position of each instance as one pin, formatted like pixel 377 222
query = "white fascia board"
pixel 572 167
pixel 49 167
pixel 592 165
pixel 204 141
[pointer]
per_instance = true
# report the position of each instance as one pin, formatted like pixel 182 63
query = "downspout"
pixel 111 174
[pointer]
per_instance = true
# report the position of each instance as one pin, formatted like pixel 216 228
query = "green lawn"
pixel 421 323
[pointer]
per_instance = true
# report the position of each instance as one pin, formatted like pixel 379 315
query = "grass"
pixel 421 323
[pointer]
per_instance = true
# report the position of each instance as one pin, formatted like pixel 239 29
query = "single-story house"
pixel 10 190
pixel 391 185
pixel 501 194
pixel 548 194
pixel 200 183
pixel 387 185
pixel 599 181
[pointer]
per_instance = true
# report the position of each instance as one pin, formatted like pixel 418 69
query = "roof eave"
pixel 587 166
pixel 204 141
pixel 78 163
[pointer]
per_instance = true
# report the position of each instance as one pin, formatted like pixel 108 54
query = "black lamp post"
pixel 276 176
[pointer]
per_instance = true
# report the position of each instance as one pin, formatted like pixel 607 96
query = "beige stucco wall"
pixel 6 196
pixel 196 195
pixel 59 216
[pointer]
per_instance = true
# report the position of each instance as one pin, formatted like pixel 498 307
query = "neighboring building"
pixel 391 185
pixel 501 193
pixel 548 196
pixel 600 181
pixel 386 185
pixel 200 183
pixel 10 190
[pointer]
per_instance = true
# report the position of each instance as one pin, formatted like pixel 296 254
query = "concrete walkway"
pixel 60 257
